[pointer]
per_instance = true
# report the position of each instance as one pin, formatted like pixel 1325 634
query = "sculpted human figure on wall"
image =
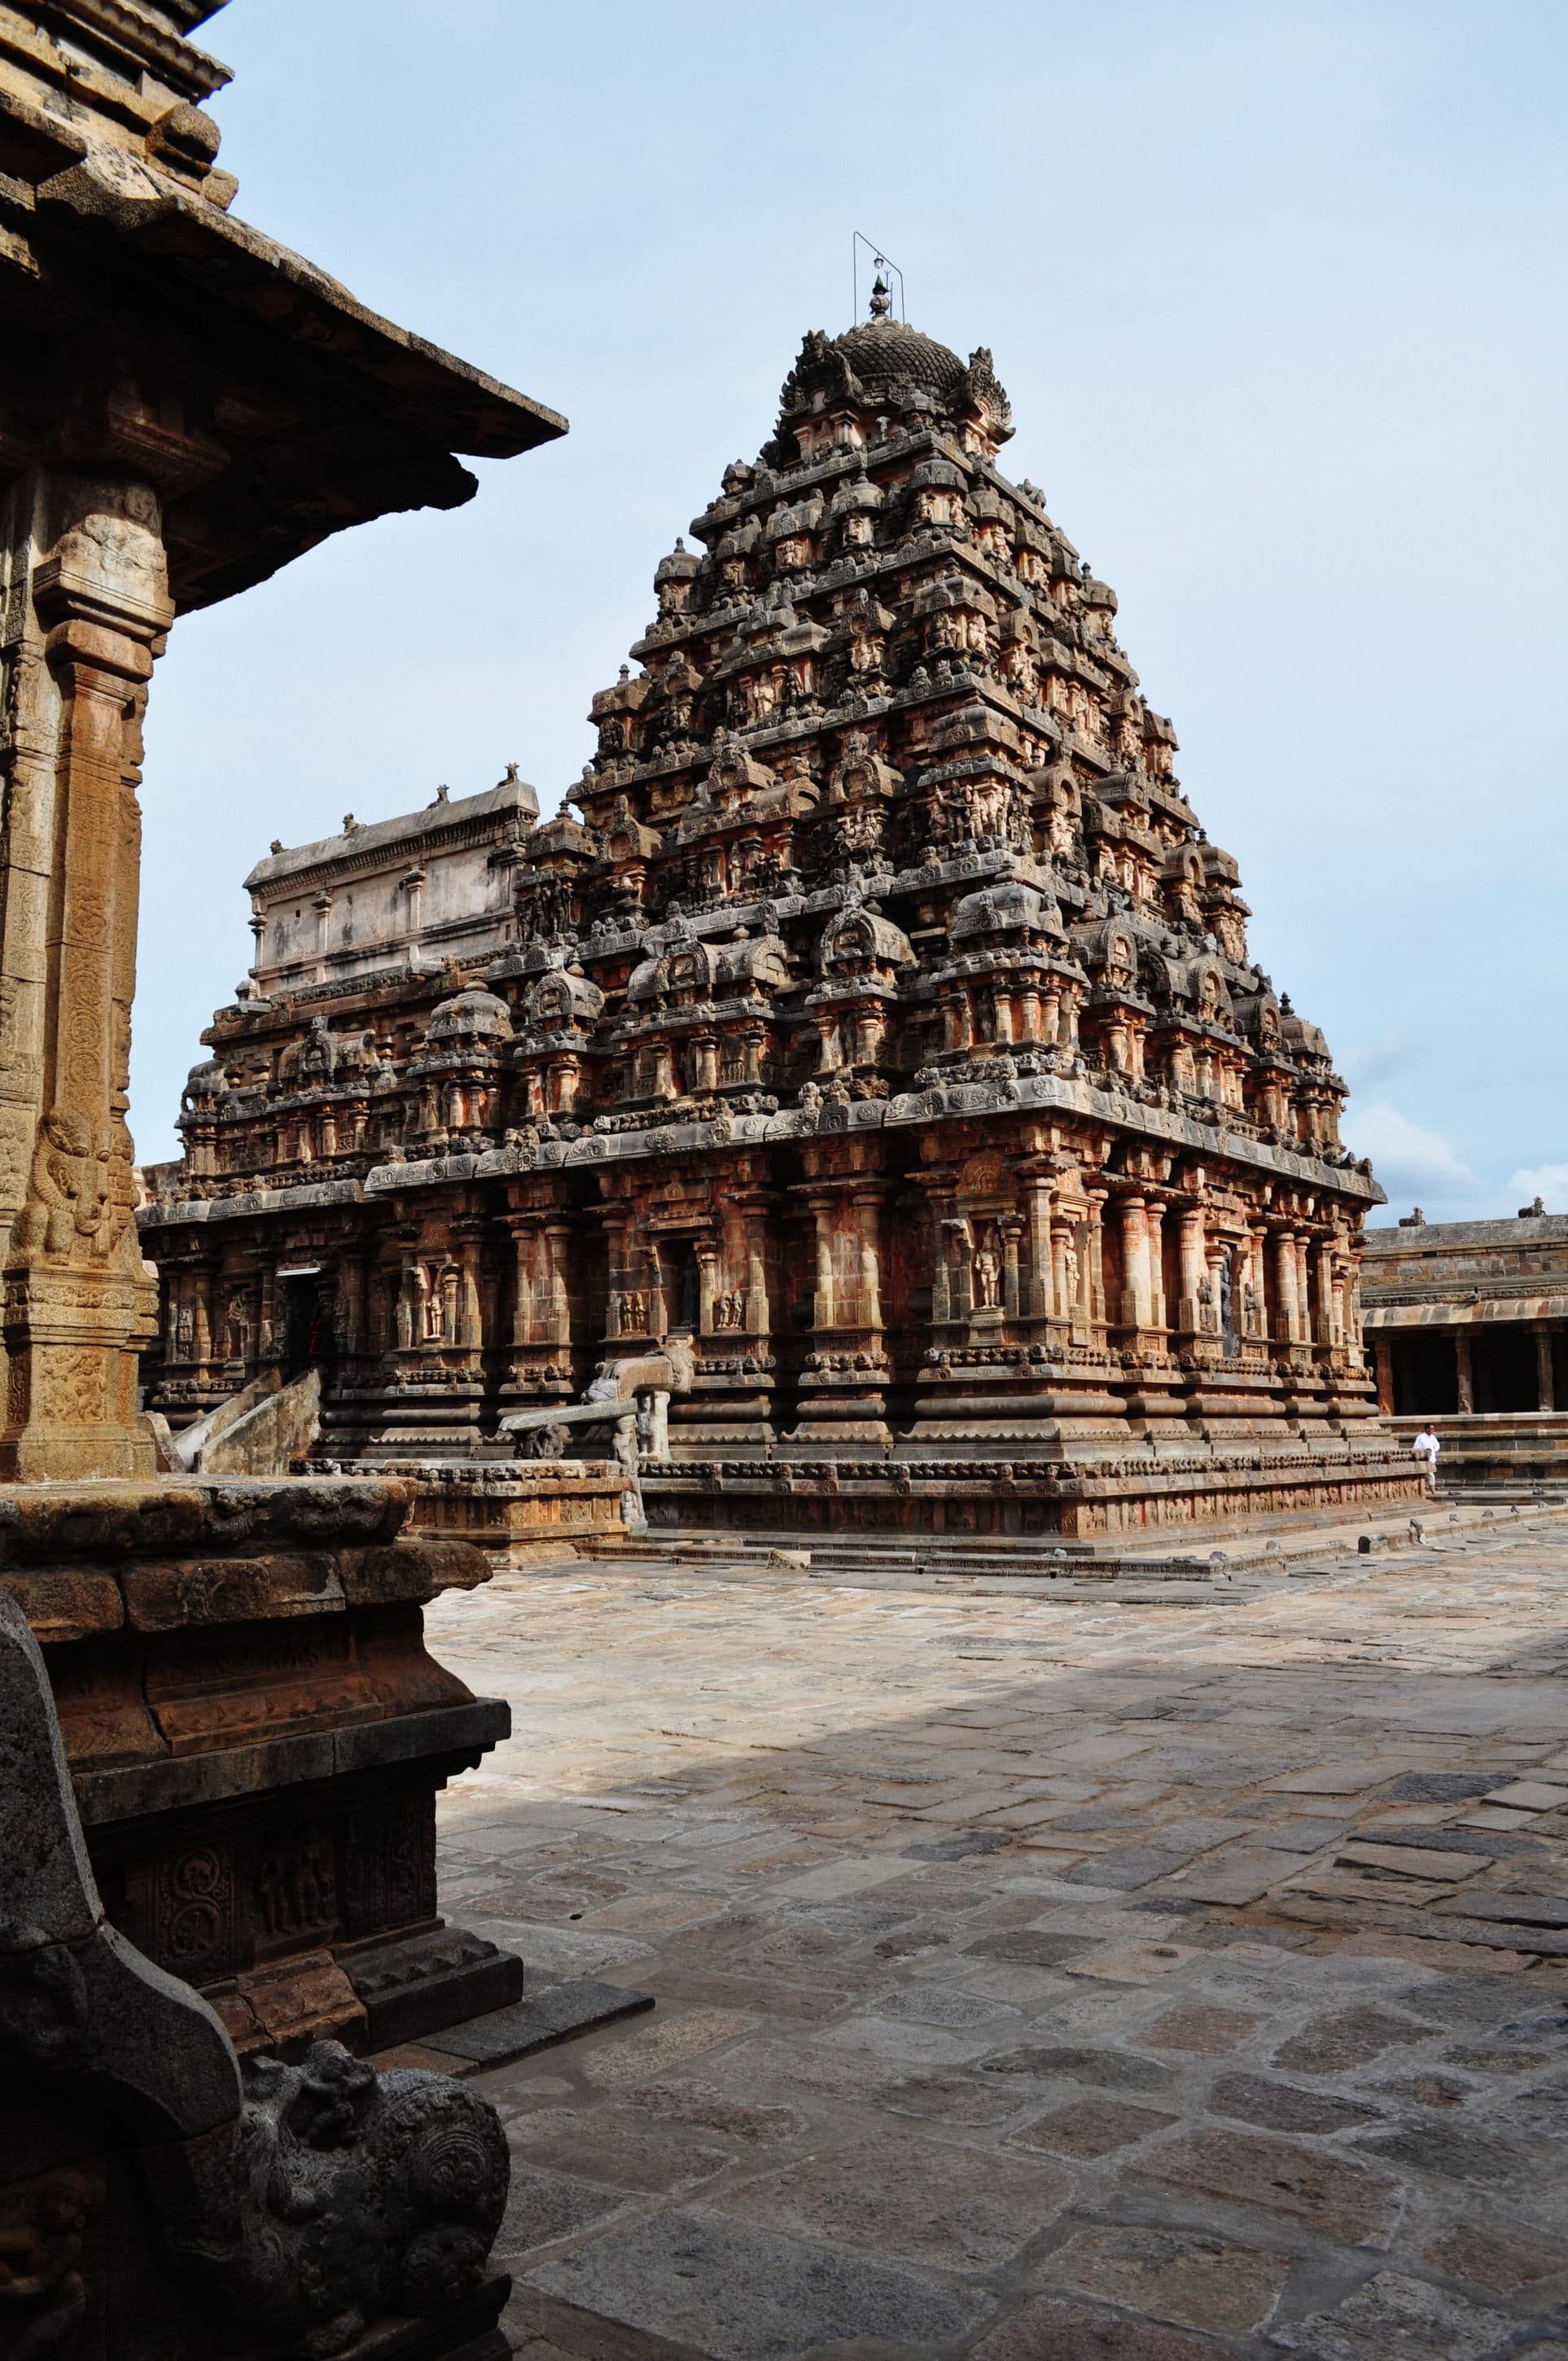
pixel 988 1274
pixel 988 808
pixel 1069 1278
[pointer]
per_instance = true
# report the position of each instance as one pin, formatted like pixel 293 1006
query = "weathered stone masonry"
pixel 878 1014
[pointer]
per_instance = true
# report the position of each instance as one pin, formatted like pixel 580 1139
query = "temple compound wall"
pixel 1467 1326
pixel 878 1016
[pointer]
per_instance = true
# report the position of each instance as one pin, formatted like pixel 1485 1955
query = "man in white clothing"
pixel 1426 1447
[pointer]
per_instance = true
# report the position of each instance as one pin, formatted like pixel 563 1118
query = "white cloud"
pixel 1417 1166
pixel 1547 1181
pixel 1380 1060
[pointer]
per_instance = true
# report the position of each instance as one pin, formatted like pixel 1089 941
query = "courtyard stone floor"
pixel 1034 1980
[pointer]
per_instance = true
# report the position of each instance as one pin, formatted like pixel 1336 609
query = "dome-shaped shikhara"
pixel 890 358
pixel 884 1015
pixel 885 365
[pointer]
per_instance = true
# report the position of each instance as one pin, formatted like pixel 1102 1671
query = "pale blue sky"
pixel 1275 287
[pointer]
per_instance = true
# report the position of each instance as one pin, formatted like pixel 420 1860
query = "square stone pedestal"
pixel 257 1735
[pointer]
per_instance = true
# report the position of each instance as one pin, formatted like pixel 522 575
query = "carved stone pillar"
pixel 1464 1371
pixel 1192 1250
pixel 1064 1271
pixel 1040 1298
pixel 1093 1280
pixel 1136 1307
pixel 541 1311
pixel 941 1260
pixel 524 1241
pixel 1155 1224
pixel 1214 1310
pixel 1285 1314
pixel 1383 1354
pixel 707 1284
pixel 202 1314
pixel 557 1320
pixel 1325 1328
pixel 758 1312
pixel 844 1381
pixel 469 1336
pixel 1546 1397
pixel 867 1223
pixel 1304 1308
pixel 351 1284
pixel 1050 1013
pixel 77 1302
pixel 957 1244
pixel 1011 1229
pixel 825 1305
pixel 619 1276
pixel 1256 1314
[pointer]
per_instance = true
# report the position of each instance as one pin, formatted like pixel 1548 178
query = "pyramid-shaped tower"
pixel 884 1021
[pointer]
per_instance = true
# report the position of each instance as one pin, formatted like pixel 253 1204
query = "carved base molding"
pixel 990 1497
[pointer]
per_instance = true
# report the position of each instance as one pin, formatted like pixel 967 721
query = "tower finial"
pixel 881 302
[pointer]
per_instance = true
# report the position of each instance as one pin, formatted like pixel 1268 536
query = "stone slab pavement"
pixel 1034 1981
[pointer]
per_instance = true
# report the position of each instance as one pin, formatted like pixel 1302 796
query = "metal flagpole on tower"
pixel 879 263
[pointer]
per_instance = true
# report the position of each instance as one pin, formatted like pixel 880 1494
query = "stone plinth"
pixel 1084 1499
pixel 257 1735
pixel 519 1515
pixel 162 2200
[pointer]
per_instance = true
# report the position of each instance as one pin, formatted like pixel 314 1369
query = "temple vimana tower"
pixel 876 1013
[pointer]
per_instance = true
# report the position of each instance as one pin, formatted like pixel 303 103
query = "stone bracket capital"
pixel 88 648
pixel 62 590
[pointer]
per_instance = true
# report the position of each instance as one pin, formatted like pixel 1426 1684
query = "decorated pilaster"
pixel 844 1377
pixel 89 585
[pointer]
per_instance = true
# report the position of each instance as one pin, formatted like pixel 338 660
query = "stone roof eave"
pixel 1484 1314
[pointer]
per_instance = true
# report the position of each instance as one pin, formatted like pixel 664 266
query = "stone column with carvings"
pixel 469 1324
pixel 1154 1223
pixel 88 585
pixel 1304 1290
pixel 1093 1280
pixel 1194 1265
pixel 1135 1299
pixel 1327 1329
pixel 1040 1294
pixel 1383 1355
pixel 1285 1316
pixel 844 1379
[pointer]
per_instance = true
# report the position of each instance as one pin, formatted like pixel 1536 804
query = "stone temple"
pixel 878 1017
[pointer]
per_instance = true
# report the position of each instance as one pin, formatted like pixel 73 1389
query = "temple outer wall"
pixel 1074 1402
